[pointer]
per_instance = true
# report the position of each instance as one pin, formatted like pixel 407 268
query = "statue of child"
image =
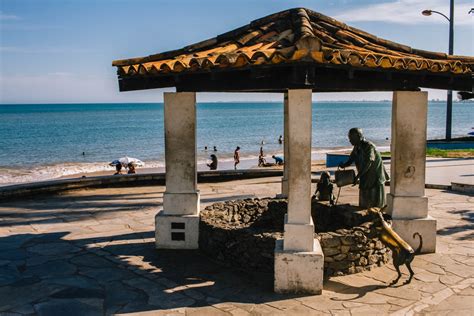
pixel 324 189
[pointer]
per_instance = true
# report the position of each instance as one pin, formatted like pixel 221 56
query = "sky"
pixel 60 51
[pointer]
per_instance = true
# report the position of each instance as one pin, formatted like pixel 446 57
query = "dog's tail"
pixel 418 251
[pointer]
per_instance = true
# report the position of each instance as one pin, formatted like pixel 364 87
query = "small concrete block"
pixel 299 237
pixel 426 227
pixel 298 272
pixel 407 207
pixel 176 232
pixel 181 203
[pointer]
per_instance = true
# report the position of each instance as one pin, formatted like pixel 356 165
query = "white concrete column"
pixel 299 258
pixel 284 180
pixel 177 225
pixel 299 230
pixel 407 202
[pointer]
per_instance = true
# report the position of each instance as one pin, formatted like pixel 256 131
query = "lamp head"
pixel 426 12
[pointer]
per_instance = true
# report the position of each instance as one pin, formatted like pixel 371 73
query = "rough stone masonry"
pixel 242 233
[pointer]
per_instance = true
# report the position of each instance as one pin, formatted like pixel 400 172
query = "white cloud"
pixel 8 17
pixel 409 12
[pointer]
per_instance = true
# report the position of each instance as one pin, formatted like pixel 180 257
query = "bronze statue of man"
pixel 371 173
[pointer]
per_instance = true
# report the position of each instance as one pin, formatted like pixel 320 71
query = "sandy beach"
pixel 249 163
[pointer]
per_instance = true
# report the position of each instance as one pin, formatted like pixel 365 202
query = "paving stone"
pixel 74 292
pixel 16 296
pixel 426 277
pixel 10 314
pixel 239 312
pixel 401 302
pixel 8 274
pixel 196 295
pixel 144 284
pixel 372 298
pixel 456 304
pixel 55 248
pixel 435 269
pixel 13 254
pixel 321 303
pixel 449 279
pixel 206 310
pixel 369 310
pixel 360 294
pixel 437 297
pixel 34 260
pixel 25 281
pixel 24 309
pixel 340 313
pixel 212 300
pixel 432 287
pixel 76 281
pixel 92 301
pixel 15 241
pixel 118 295
pixel 460 270
pixel 103 275
pixel 69 307
pixel 46 238
pixel 468 291
pixel 284 305
pixel 263 309
pixel 91 260
pixel 159 298
pixel 51 269
pixel 349 304
pixel 135 306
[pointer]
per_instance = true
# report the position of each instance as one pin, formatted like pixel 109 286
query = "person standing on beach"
pixel 261 160
pixel 280 140
pixel 371 173
pixel 215 148
pixel 236 157
pixel 118 169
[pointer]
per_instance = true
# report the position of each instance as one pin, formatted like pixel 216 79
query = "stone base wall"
pixel 242 234
pixel 348 251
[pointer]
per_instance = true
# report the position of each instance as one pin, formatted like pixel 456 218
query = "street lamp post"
pixel 449 108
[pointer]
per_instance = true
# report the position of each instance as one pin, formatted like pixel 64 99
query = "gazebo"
pixel 297 52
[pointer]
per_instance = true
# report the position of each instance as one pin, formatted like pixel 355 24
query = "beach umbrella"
pixel 126 160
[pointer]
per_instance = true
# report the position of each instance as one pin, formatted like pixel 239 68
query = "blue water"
pixel 47 134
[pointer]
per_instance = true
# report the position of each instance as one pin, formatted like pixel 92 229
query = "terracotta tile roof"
pixel 294 36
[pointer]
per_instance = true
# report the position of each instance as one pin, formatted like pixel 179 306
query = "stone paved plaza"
pixel 91 252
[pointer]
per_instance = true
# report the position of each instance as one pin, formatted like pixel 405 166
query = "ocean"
pixel 46 141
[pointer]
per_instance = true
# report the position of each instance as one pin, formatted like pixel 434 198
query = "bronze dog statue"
pixel 402 252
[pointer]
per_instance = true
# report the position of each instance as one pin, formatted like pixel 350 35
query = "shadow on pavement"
pixel 127 274
pixel 467 229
